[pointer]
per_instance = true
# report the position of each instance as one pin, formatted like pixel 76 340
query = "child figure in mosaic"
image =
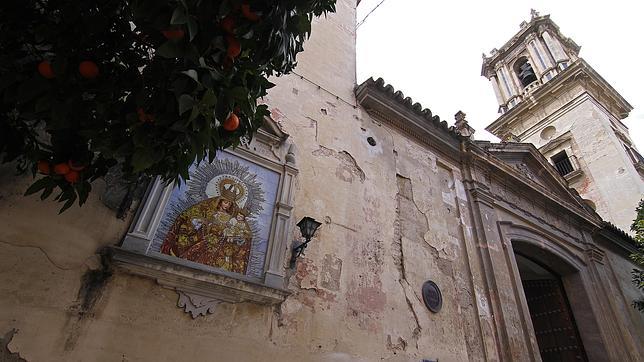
pixel 238 229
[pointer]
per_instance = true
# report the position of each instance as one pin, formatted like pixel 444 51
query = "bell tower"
pixel 550 97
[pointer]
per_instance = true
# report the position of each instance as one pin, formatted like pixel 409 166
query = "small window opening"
pixel 524 71
pixel 562 163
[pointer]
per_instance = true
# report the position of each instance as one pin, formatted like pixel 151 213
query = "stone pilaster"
pixel 497 91
pixel 501 300
pixel 555 48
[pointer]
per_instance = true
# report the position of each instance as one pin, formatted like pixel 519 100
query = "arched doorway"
pixel 554 325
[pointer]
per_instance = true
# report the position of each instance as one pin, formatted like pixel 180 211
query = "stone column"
pixel 505 84
pixel 541 51
pixel 537 62
pixel 555 48
pixel 511 81
pixel 497 91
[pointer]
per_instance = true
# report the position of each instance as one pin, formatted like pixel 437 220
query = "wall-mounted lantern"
pixel 308 226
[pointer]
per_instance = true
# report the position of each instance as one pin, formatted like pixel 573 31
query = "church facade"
pixel 431 245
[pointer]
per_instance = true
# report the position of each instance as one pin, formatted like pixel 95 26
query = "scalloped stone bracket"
pixel 196 305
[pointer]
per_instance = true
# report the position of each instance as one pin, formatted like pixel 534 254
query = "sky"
pixel 431 50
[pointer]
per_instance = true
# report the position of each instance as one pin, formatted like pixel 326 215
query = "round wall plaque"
pixel 432 296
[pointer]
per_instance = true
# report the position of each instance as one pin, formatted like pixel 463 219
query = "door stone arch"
pixel 565 259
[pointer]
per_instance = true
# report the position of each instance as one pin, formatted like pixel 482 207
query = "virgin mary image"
pixel 214 231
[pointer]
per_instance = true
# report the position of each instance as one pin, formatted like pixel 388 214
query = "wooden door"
pixel 554 325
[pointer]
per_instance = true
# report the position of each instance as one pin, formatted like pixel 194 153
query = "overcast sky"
pixel 431 50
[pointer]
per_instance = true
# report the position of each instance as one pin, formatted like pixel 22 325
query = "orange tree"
pixel 149 86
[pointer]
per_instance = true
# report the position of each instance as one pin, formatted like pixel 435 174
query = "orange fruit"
pixel 88 69
pixel 228 24
pixel 43 167
pixel 61 169
pixel 45 69
pixel 248 13
pixel 234 48
pixel 173 34
pixel 231 123
pixel 75 165
pixel 72 177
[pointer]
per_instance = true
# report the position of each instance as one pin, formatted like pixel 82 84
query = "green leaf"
pixel 48 190
pixel 83 190
pixel 179 16
pixel 170 49
pixel 186 102
pixel 209 99
pixel 193 28
pixel 38 185
pixel 143 158
pixel 192 74
pixel 303 24
pixel 239 94
pixel 69 203
pixel 194 114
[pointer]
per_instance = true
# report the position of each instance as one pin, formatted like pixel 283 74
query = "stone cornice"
pixel 386 104
pixel 578 73
pixel 622 242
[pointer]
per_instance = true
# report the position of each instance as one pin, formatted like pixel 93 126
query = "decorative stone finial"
pixel 461 126
pixel 533 14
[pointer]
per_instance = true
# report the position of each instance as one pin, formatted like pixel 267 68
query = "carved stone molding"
pixel 525 170
pixel 595 254
pixel 196 305
pixel 192 278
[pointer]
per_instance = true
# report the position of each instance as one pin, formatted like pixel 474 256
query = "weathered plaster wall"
pixel 394 215
pixel 356 292
pixel 43 258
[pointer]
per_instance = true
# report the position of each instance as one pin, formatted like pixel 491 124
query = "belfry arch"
pixel 552 283
pixel 524 71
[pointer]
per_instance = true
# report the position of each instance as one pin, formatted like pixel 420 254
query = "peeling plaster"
pixel 314 124
pixel 5 353
pixel 347 169
pixel 331 272
pixel 365 294
pixel 400 344
pixel 483 305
